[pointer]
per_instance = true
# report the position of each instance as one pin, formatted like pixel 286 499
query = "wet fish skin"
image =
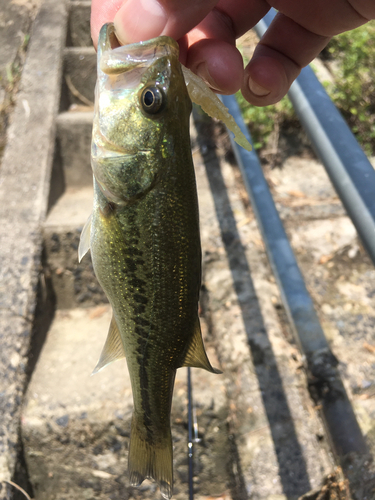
pixel 144 237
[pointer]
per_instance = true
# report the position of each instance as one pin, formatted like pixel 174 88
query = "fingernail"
pixel 258 90
pixel 140 20
pixel 203 72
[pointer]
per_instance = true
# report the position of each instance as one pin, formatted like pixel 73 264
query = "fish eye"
pixel 152 100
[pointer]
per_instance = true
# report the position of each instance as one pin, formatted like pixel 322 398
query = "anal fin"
pixel 196 356
pixel 113 348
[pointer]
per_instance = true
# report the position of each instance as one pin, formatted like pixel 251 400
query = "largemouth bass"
pixel 144 236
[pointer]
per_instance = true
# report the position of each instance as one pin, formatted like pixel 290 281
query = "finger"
pixel 218 63
pixel 212 53
pixel 234 17
pixel 101 13
pixel 283 51
pixel 138 20
pixel 365 8
pixel 326 18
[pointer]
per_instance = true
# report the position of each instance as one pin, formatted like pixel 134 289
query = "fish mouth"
pixel 111 150
pixel 114 61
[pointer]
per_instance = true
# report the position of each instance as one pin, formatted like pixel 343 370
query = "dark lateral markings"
pixel 140 321
pixel 134 251
pixel 140 299
pixel 137 283
pixel 133 263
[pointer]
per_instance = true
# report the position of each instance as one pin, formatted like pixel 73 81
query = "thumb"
pixel 138 20
pixel 102 11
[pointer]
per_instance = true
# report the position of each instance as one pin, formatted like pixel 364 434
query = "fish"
pixel 143 235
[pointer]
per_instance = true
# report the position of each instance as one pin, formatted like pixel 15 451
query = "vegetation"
pixel 263 120
pixel 9 80
pixel 354 90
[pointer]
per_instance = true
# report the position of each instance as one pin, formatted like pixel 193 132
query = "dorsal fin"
pixel 196 354
pixel 113 348
pixel 84 241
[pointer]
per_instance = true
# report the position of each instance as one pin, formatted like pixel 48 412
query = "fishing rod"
pixel 192 425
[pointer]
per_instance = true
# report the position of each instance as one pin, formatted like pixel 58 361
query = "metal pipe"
pixel 337 411
pixel 349 169
pixel 295 296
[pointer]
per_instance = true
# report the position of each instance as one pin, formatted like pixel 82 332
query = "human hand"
pixel 207 31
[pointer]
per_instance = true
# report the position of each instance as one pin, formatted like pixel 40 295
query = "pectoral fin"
pixel 113 348
pixel 84 241
pixel 196 354
pixel 201 94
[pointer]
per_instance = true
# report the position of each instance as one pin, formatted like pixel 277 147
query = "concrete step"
pixel 74 283
pixel 79 77
pixel 73 148
pixel 71 201
pixel 79 24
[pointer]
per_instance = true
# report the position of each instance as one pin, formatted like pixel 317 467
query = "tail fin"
pixel 149 459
